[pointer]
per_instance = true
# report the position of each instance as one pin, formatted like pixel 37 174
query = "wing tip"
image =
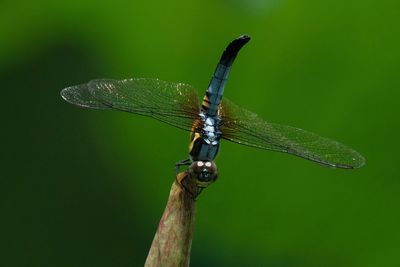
pixel 75 95
pixel 358 162
pixel 66 94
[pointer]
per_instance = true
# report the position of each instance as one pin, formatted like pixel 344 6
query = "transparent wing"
pixel 172 103
pixel 245 127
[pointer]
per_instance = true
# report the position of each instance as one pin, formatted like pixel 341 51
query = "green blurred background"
pixel 87 188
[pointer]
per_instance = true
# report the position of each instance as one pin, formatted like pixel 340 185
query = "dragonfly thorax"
pixel 210 129
pixel 205 138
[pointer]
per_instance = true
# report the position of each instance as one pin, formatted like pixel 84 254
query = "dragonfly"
pixel 177 104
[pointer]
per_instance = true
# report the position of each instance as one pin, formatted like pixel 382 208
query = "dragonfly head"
pixel 205 172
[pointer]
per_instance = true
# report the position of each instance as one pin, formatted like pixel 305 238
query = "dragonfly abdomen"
pixel 205 142
pixel 215 89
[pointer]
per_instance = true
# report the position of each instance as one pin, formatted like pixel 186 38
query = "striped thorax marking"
pixel 205 141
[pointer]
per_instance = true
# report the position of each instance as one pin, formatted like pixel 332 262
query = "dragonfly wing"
pixel 79 95
pixel 172 103
pixel 245 127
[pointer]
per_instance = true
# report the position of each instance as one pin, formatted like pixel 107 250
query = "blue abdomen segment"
pixel 216 87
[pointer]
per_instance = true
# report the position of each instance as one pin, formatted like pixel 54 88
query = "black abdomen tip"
pixel 232 49
pixel 244 38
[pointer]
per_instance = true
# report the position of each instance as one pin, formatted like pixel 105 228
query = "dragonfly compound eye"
pixel 205 172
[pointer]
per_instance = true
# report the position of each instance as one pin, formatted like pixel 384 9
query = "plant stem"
pixel 173 239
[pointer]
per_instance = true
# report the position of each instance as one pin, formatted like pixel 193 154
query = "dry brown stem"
pixel 173 239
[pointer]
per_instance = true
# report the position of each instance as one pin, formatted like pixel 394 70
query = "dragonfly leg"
pixel 189 183
pixel 185 162
pixel 199 191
